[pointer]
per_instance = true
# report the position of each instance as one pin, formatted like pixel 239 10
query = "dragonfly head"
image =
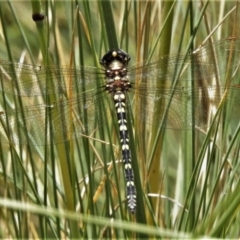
pixel 115 59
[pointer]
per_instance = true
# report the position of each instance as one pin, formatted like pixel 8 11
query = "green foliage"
pixel 187 180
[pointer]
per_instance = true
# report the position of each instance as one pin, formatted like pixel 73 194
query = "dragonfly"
pixel 173 83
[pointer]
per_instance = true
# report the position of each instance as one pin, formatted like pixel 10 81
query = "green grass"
pixel 187 180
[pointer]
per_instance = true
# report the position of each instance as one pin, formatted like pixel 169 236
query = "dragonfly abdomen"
pixel 119 100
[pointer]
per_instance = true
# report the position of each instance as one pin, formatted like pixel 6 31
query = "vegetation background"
pixel 187 181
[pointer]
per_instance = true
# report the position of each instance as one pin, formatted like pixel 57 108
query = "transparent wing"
pixel 70 119
pixel 29 81
pixel 174 110
pixel 56 123
pixel 152 95
pixel 205 63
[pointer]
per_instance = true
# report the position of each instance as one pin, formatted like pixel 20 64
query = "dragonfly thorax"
pixel 117 83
